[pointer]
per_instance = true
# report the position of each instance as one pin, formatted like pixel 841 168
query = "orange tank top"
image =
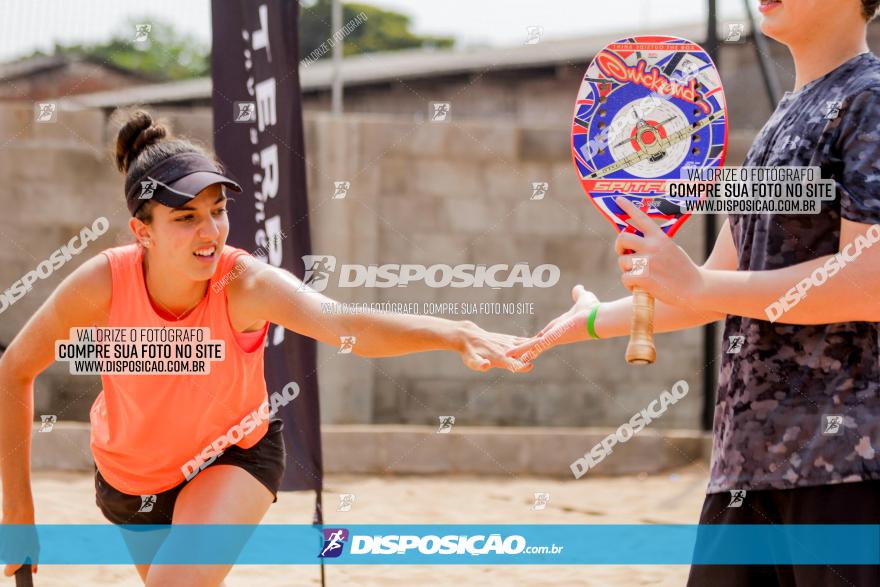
pixel 145 428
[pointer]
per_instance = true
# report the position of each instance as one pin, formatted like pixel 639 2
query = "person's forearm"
pixel 389 335
pixel 16 425
pixel 793 295
pixel 614 318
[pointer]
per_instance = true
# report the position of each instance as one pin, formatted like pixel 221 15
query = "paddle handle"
pixel 640 350
pixel 24 577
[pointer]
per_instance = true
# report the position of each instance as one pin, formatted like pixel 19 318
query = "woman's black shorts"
pixel 265 461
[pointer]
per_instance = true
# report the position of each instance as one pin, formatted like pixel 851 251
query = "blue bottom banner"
pixel 433 544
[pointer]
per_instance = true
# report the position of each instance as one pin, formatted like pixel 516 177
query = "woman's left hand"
pixel 565 329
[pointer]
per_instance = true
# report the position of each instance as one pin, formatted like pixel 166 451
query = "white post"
pixel 336 25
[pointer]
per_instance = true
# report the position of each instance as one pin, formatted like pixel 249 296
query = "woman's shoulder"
pixel 230 251
pixel 240 269
pixel 97 274
pixel 241 285
pixel 236 263
pixel 122 253
pixel 115 261
pixel 87 291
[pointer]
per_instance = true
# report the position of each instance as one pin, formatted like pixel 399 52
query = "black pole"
pixel 762 52
pixel 710 228
pixel 318 520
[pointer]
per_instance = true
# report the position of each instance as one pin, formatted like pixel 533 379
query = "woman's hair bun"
pixel 138 133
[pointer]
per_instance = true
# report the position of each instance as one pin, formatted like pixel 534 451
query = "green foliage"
pixel 172 55
pixel 383 30
pixel 169 54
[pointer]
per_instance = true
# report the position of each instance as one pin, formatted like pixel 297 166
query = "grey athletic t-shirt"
pixel 800 405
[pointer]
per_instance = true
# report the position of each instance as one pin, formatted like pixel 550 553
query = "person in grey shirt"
pixel 797 414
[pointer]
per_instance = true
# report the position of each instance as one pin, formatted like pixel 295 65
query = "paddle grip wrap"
pixel 24 577
pixel 640 350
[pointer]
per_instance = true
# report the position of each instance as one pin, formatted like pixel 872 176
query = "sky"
pixel 26 25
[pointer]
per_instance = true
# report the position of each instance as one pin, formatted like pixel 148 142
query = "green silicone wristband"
pixel 591 322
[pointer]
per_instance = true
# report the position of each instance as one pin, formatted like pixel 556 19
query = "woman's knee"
pixel 143 571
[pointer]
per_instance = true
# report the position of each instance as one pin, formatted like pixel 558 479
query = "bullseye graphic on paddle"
pixel 648 108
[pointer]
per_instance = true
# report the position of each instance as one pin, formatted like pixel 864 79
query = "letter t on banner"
pixel 258 135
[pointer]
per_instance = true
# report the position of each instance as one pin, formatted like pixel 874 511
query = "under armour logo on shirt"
pixel 791 142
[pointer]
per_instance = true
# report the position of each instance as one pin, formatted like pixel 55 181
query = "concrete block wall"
pixel 55 179
pixel 459 192
pixel 421 193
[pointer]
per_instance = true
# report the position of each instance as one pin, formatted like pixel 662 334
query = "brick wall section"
pixel 421 193
pixel 78 77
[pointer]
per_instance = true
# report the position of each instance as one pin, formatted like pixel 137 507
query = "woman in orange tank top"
pixel 186 447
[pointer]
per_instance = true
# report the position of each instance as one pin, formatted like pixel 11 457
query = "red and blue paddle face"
pixel 648 108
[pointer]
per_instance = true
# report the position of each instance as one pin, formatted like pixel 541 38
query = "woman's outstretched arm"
pixel 263 292
pixel 82 299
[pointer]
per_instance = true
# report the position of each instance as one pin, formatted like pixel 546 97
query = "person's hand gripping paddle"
pixel 648 108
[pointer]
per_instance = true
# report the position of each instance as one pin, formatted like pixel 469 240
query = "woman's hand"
pixel 482 350
pixel 565 329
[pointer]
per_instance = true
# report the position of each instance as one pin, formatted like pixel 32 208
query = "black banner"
pixel 258 135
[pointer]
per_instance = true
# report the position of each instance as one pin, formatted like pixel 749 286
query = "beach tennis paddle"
pixel 648 108
pixel 24 577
